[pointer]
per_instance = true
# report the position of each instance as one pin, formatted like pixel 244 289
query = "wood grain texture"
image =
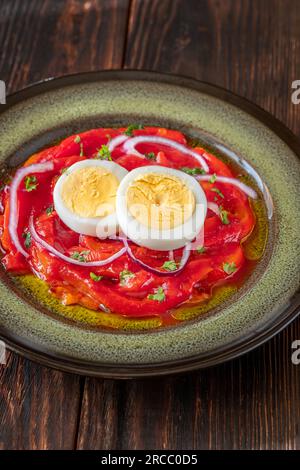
pixel 45 38
pixel 248 46
pixel 40 407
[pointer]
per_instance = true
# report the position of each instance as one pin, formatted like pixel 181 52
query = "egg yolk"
pixel 90 192
pixel 160 201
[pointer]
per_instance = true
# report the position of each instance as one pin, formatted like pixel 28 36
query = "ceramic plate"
pixel 266 303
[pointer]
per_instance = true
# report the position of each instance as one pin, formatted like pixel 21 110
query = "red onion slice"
pixel 213 207
pixel 158 158
pixel 116 141
pixel 13 200
pixel 130 145
pixel 225 179
pixel 60 255
pixel 183 261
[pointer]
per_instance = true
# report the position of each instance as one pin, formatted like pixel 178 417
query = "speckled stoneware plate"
pixel 269 299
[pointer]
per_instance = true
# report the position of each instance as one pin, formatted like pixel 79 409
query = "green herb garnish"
pixel 150 156
pixel 27 237
pixel 224 216
pixel 229 268
pixel 193 171
pixel 80 255
pixel 95 278
pixel 193 143
pixel 169 265
pixel 201 249
pixel 77 140
pixel 132 128
pixel 216 190
pixel 213 179
pixel 159 295
pixel 30 183
pixel 104 153
pixel 125 276
pixel 49 210
pixel 81 150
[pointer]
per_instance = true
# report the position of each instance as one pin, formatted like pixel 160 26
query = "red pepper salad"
pixel 60 220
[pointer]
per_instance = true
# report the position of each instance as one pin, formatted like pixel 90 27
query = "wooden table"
pixel 251 47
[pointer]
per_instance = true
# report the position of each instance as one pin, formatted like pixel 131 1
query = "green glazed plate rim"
pixel 247 341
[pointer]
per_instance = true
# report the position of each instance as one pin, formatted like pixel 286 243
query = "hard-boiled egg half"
pixel 85 197
pixel 160 208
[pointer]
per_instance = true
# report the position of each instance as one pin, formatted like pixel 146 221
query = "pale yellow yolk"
pixel 160 201
pixel 90 192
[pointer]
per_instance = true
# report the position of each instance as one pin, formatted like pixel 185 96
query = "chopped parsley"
pixel 77 140
pixel 132 128
pixel 27 237
pixel 229 268
pixel 201 249
pixel 125 276
pixel 159 295
pixel 150 156
pixel 81 150
pixel 30 183
pixel 216 190
pixel 213 178
pixel 193 143
pixel 193 171
pixel 224 216
pixel 104 153
pixel 95 278
pixel 49 210
pixel 80 255
pixel 169 265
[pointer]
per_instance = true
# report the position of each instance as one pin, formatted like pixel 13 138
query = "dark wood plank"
pixel 39 407
pixel 99 429
pixel 45 38
pixel 249 47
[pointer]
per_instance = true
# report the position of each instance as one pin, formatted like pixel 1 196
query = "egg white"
pixel 101 227
pixel 155 239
